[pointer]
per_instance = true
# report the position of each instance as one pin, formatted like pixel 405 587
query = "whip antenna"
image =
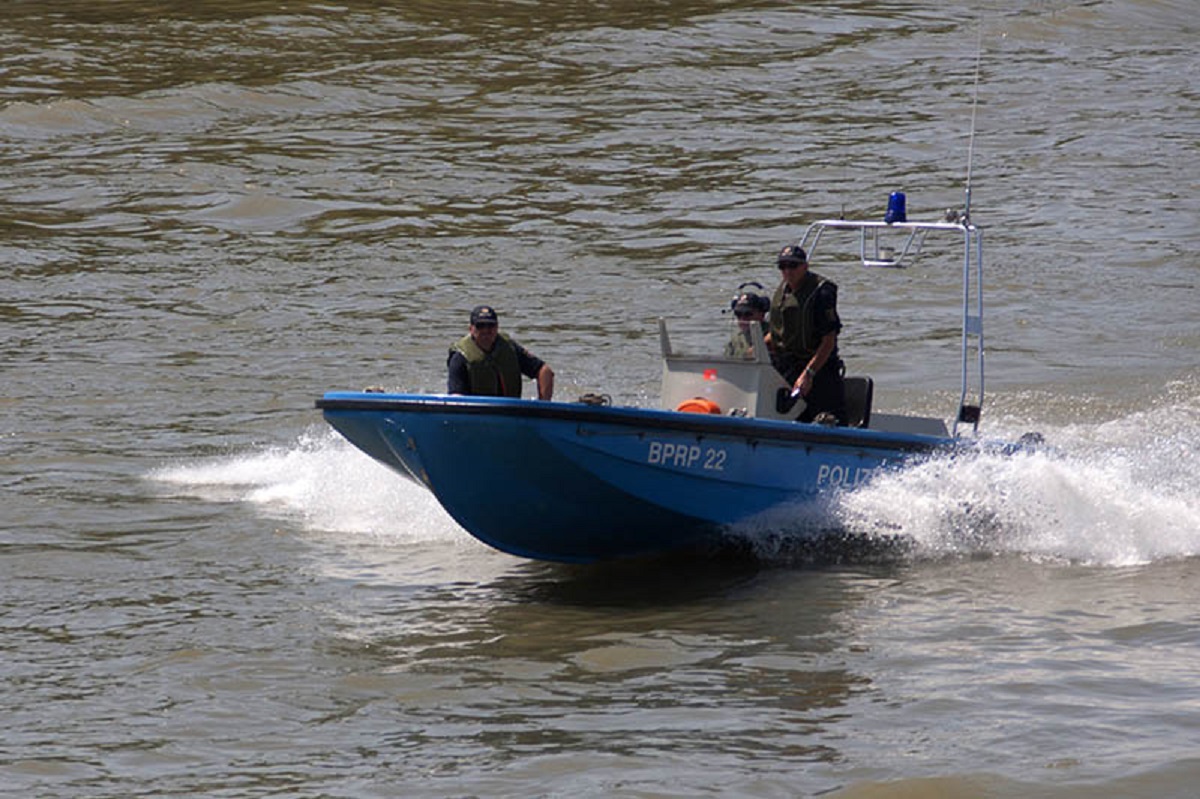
pixel 974 113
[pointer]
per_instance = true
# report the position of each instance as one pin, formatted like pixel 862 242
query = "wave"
pixel 1118 492
pixel 322 482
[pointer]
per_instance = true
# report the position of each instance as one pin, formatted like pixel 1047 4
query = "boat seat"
pixel 859 393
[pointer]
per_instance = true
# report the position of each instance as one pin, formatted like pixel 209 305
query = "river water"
pixel 212 212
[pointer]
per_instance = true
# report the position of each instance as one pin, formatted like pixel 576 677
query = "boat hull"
pixel 577 483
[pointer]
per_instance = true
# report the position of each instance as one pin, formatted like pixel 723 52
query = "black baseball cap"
pixel 484 315
pixel 792 254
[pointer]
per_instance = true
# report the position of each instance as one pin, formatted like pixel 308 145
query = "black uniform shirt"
pixel 458 381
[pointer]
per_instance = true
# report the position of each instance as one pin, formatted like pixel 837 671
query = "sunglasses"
pixel 485 325
pixel 792 265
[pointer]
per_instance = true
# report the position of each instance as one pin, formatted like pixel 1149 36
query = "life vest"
pixel 491 374
pixel 793 327
pixel 741 342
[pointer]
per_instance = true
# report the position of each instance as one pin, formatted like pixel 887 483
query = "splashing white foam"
pixel 1120 492
pixel 323 481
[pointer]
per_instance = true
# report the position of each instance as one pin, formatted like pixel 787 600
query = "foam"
pixel 323 482
pixel 1115 492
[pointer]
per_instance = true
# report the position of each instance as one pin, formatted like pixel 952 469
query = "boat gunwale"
pixel 674 421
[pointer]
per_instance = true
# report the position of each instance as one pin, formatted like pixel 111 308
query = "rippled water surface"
pixel 212 212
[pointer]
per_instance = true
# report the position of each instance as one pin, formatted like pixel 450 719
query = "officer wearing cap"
pixel 749 309
pixel 486 362
pixel 804 327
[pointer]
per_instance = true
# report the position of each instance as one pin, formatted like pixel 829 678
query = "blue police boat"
pixel 583 482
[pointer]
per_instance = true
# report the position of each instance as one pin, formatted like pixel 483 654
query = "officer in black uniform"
pixel 804 327
pixel 486 362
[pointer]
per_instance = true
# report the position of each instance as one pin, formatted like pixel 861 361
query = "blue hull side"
pixel 565 482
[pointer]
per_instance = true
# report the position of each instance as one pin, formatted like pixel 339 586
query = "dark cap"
pixel 792 254
pixel 484 314
pixel 750 301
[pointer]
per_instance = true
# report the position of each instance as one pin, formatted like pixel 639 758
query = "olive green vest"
pixel 741 342
pixel 792 328
pixel 495 373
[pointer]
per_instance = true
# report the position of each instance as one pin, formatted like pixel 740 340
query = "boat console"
pixel 726 385
pixel 748 386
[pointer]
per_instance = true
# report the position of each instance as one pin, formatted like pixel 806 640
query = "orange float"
pixel 698 405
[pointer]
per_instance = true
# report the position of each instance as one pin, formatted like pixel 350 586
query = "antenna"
pixel 845 173
pixel 966 217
